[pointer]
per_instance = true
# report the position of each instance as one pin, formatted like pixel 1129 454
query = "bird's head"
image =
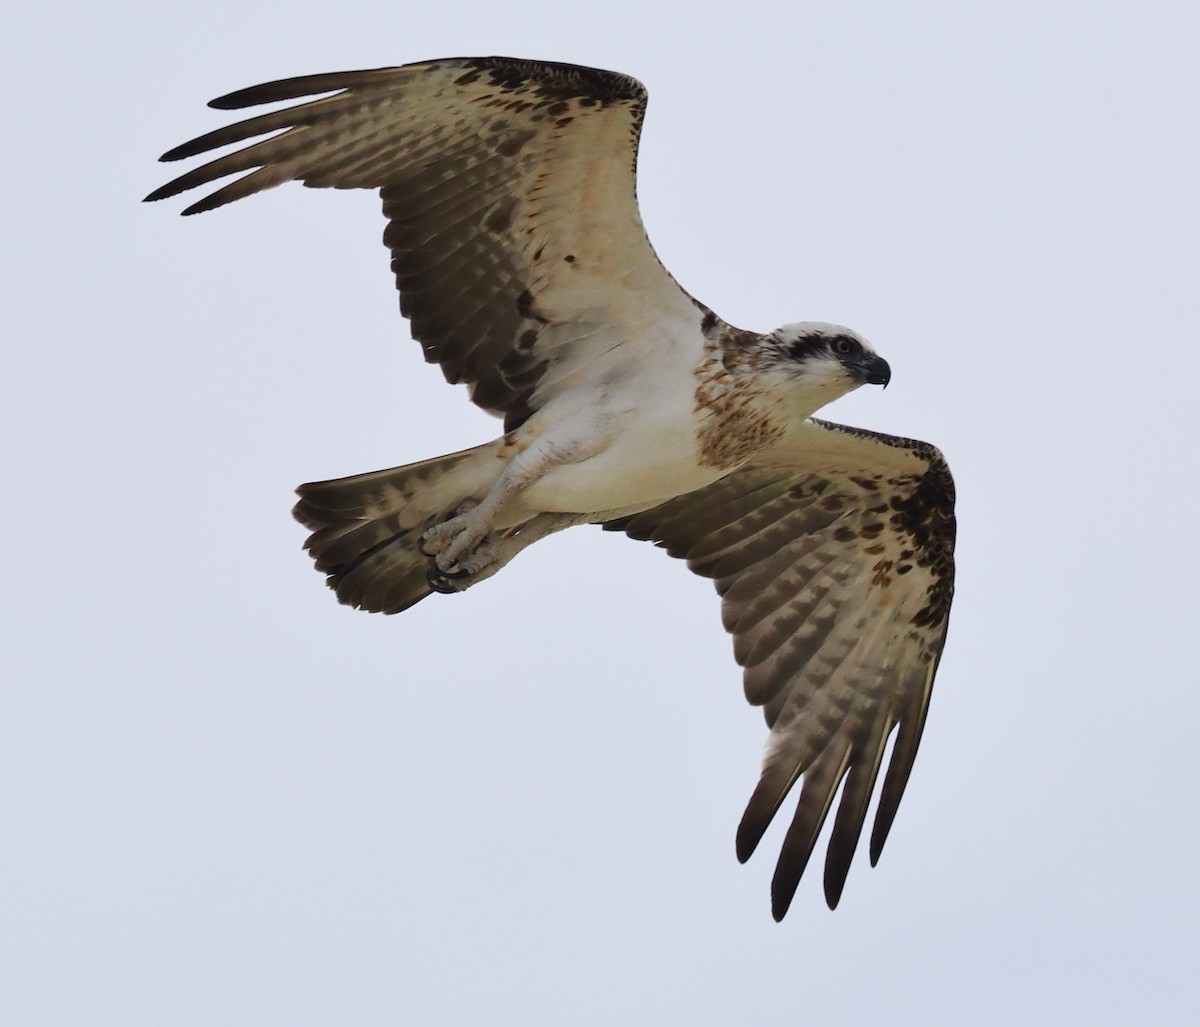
pixel 828 358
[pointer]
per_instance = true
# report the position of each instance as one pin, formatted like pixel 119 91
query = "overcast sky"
pixel 226 800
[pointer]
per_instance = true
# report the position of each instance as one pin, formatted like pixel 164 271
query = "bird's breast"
pixel 646 450
pixel 733 420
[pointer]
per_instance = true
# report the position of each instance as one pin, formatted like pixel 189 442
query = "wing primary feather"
pixel 262 125
pixel 904 752
pixel 247 185
pixel 210 172
pixel 298 86
pixel 852 813
pixel 773 786
pixel 816 797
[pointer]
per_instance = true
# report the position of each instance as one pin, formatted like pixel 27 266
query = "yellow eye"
pixel 842 346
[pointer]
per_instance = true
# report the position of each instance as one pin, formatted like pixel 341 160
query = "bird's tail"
pixel 366 529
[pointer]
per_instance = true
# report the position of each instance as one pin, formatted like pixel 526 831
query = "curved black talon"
pixel 439 580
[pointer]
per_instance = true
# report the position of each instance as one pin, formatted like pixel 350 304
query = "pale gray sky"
pixel 227 800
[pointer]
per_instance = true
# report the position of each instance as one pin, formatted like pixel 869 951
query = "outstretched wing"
pixel 509 186
pixel 836 570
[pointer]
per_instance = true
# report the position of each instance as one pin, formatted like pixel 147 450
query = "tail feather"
pixel 366 529
pixel 388 579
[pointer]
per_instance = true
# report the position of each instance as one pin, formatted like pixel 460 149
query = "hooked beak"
pixel 872 370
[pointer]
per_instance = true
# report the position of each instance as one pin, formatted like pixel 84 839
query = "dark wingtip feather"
pixel 266 92
pixel 793 860
pixel 293 88
pixel 167 191
pixel 200 206
pixel 879 833
pixel 838 858
pixel 783 890
pixel 184 150
pixel 904 753
pixel 835 882
pixel 174 188
pixel 747 841
pixel 760 811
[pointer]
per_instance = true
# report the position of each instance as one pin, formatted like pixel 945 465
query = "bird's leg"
pixel 496 550
pixel 454 540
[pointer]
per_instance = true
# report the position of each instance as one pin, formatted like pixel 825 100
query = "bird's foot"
pixel 481 563
pixel 459 550
pixel 459 534
pixel 491 552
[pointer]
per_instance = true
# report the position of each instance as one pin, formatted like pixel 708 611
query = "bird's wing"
pixel 509 186
pixel 836 573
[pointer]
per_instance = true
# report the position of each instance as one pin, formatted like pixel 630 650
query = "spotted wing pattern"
pixel 509 188
pixel 835 569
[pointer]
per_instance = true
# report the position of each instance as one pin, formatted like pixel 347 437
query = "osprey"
pixel 522 264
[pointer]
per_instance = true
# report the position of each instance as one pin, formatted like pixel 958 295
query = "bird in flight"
pixel 524 269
